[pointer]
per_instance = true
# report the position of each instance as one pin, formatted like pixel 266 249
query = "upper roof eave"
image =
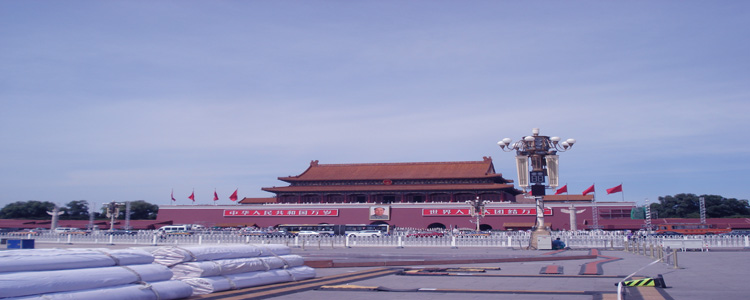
pixel 396 171
pixel 394 188
pixel 297 179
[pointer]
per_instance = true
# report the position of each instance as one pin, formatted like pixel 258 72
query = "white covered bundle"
pixel 234 266
pixel 162 290
pixel 75 258
pixel 170 256
pixel 207 285
pixel 16 284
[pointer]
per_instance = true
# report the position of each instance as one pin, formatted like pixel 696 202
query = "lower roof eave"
pixel 381 189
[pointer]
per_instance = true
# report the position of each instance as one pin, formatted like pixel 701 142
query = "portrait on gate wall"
pixel 380 212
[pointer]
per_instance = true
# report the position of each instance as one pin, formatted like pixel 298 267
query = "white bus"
pixel 181 229
pixel 175 229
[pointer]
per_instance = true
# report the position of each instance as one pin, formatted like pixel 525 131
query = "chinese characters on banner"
pixel 281 212
pixel 488 211
pixel 335 212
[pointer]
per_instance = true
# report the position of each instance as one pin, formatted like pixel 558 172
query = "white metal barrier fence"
pixel 517 240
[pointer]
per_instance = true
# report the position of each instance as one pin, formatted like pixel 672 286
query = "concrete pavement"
pixel 522 274
pixel 699 276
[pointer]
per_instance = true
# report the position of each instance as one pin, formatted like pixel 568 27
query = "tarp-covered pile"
pixel 209 269
pixel 83 274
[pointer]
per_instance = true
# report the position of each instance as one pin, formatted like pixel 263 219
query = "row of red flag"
pixel 232 197
pixel 564 189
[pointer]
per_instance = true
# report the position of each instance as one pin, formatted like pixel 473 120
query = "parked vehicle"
pixel 252 232
pixel 175 229
pixel 691 228
pixel 282 233
pixel 667 233
pixel 26 232
pixel 737 232
pixel 366 233
pixel 334 229
pixel 65 229
pixel 71 230
pixel 474 233
pixel 426 234
pixel 121 232
pixel 308 233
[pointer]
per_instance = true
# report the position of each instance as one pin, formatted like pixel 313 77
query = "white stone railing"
pixel 515 240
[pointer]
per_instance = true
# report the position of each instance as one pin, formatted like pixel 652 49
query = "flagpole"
pixel 594 190
pixel 623 192
pixel 595 212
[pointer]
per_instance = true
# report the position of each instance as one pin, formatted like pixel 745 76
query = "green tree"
pixel 76 210
pixel 688 206
pixel 727 208
pixel 32 209
pixel 140 210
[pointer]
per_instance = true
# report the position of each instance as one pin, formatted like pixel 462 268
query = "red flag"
pixel 614 189
pixel 216 196
pixel 233 197
pixel 192 196
pixel 173 199
pixel 561 190
pixel 589 190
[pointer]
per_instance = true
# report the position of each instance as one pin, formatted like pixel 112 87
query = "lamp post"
pixel 55 213
pixel 477 209
pixel 113 209
pixel 540 153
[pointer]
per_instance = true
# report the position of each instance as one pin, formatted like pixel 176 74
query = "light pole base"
pixel 534 243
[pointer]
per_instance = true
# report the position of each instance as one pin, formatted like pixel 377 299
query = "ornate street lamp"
pixel 477 209
pixel 539 152
pixel 113 210
pixel 55 213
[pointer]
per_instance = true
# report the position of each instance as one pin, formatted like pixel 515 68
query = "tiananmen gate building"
pixel 389 183
pixel 414 195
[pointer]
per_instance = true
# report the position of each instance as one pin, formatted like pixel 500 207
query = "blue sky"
pixel 128 100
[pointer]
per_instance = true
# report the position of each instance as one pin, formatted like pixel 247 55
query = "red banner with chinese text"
pixel 487 212
pixel 281 212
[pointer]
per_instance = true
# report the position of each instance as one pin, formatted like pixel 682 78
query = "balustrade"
pixel 497 239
